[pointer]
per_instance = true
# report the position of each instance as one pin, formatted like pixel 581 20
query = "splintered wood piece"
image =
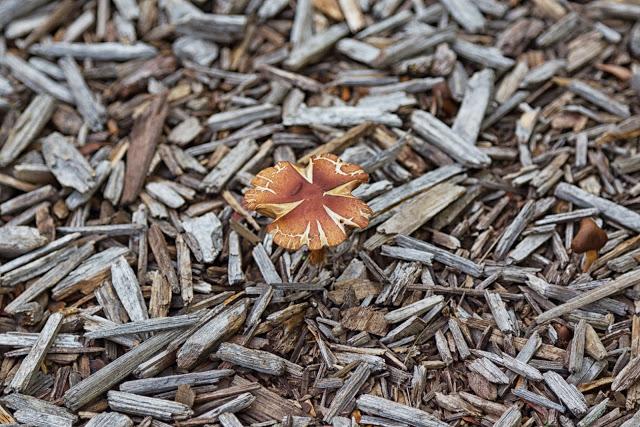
pixel 209 26
pixel 483 404
pixel 268 404
pixel 510 418
pixel 134 404
pixel 142 326
pixel 206 232
pixel 593 345
pixel 415 212
pixel 489 370
pixel 627 280
pixel 160 295
pixel 301 29
pixel 415 309
pixel 103 380
pixel 265 265
pixel 383 25
pixel 568 216
pixel 36 80
pixel 564 294
pixel 512 364
pixel 36 254
pixel 543 72
pixel 528 350
pixel 338 144
pixel 25 339
pixel 411 188
pixel 93 113
pixel 567 393
pixel 514 229
pixel 458 338
pixel 227 419
pixel 632 421
pixel 184 270
pixel 14 9
pixel 108 51
pixel 15 241
pixel 128 289
pixel 538 399
pixel 31 363
pixel 172 382
pixel 527 246
pixel 488 56
pixel 236 404
pixel 27 127
pixel 210 334
pixel 364 319
pixel 144 139
pixel 115 184
pixel 77 199
pixel 347 392
pixel 627 376
pixel 259 306
pixel 257 360
pixel 445 257
pixel 66 163
pixel 499 312
pixel 51 277
pixel 33 406
pixel 238 118
pixel 474 105
pixel 166 194
pixel 234 271
pixel 598 98
pixel 444 138
pixel 110 419
pixel 379 406
pixel 411 46
pixel 185 395
pixel 358 50
pixel 559 30
pixel 161 254
pixel 406 254
pixel 609 209
pixel 291 78
pixel 576 354
pixel 352 13
pixel 443 348
pixel 594 414
pixel 315 46
pixel 341 116
pixel 466 13
pixel 215 180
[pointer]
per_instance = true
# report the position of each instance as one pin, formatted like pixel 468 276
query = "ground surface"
pixel 136 289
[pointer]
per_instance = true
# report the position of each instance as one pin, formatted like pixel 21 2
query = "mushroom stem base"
pixel 589 258
pixel 317 257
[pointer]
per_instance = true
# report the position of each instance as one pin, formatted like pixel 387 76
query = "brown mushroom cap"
pixel 310 205
pixel 590 237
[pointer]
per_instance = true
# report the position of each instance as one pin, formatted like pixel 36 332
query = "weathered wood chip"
pixel 66 163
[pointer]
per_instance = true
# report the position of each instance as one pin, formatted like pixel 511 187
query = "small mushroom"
pixel 310 205
pixel 589 240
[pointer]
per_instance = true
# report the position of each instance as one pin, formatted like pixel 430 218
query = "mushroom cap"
pixel 590 237
pixel 310 205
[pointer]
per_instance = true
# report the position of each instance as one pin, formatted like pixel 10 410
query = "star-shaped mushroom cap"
pixel 311 205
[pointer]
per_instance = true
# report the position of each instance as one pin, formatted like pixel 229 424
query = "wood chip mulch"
pixel 496 284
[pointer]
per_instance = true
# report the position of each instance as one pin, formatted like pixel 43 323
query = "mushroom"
pixel 589 240
pixel 310 205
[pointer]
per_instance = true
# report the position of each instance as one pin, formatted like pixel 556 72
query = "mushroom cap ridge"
pixel 310 205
